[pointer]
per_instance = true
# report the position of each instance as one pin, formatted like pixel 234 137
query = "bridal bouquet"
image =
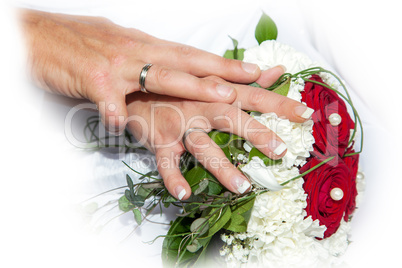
pixel 300 207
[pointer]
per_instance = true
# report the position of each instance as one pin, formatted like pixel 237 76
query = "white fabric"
pixel 44 175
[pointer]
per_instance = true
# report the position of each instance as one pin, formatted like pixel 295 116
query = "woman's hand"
pixel 159 123
pixel 93 58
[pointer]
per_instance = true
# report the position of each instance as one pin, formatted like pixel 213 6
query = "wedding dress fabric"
pixel 350 37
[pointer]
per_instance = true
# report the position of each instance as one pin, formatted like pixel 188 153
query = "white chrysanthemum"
pixel 338 242
pixel 279 225
pixel 296 86
pixel 298 137
pixel 272 53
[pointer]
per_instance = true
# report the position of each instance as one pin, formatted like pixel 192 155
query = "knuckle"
pixel 231 113
pixel 223 171
pixel 185 51
pixel 170 123
pixel 228 119
pixel 117 59
pixel 281 104
pixel 259 136
pixel 128 42
pixel 226 63
pixel 257 97
pixel 99 78
pixel 197 143
pixel 162 75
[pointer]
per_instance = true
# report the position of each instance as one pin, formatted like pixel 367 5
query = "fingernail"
pixel 249 67
pixel 115 125
pixel 277 147
pixel 241 184
pixel 224 90
pixel 115 132
pixel 304 111
pixel 283 67
pixel 180 192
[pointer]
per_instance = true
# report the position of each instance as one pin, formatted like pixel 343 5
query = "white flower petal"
pixel 272 53
pixel 261 175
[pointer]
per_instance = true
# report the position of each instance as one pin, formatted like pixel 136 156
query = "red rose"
pixel 329 140
pixel 334 176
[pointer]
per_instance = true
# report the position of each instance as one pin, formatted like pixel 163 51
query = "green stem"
pixel 308 171
pixel 139 173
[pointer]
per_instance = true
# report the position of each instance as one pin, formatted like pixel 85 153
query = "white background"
pixel 41 173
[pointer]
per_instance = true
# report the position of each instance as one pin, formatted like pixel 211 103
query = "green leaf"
pixel 220 138
pixel 254 84
pixel 231 54
pixel 230 144
pixel 199 226
pixel 198 173
pixel 130 183
pixel 236 147
pixel 240 54
pixel 236 224
pixel 143 192
pixel 267 161
pixel 214 186
pixel 124 204
pixel 137 216
pixel 201 186
pixel 168 199
pixel 138 201
pixel 283 89
pixel 194 246
pixel 266 29
pixel 241 213
pixel 194 176
pixel 218 220
pixel 236 53
pixel 127 194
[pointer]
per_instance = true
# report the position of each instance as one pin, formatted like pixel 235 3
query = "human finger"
pixel 265 101
pixel 168 160
pixel 200 63
pixel 270 76
pixel 166 81
pixel 259 99
pixel 230 119
pixel 208 153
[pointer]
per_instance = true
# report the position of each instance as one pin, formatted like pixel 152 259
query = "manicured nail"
pixel 114 130
pixel 241 184
pixel 283 67
pixel 224 90
pixel 304 111
pixel 180 192
pixel 277 147
pixel 249 67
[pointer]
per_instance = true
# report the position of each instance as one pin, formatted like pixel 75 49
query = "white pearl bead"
pixel 336 194
pixel 360 176
pixel 335 119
